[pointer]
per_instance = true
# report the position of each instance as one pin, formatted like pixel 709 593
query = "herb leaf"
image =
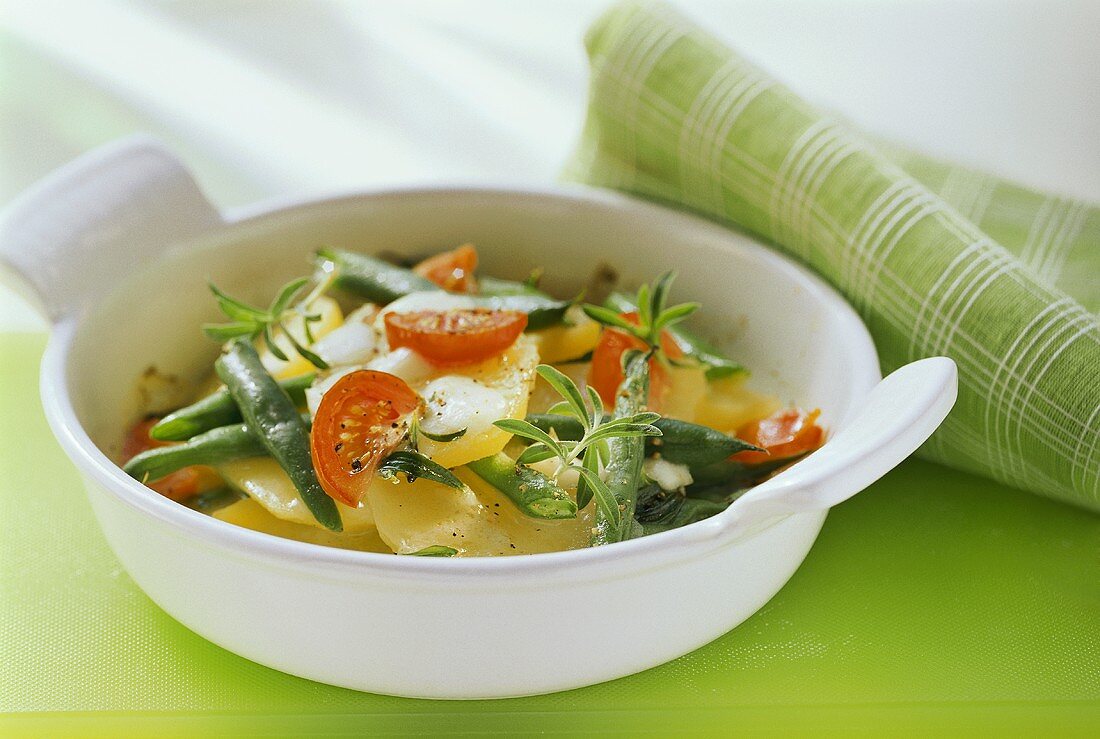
pixel 252 322
pixel 588 442
pixel 535 453
pixel 566 388
pixel 528 430
pixel 607 317
pixel 227 331
pixel 443 437
pixel 651 305
pixel 415 465
pixel 286 294
pixel 605 501
pixel 436 550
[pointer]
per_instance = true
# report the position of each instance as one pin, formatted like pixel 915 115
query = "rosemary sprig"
pixel 586 454
pixel 248 320
pixel 654 313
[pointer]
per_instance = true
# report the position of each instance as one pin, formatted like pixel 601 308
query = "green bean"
pixel 210 448
pixel 223 444
pixel 268 410
pixel 542 311
pixel 623 472
pixel 209 501
pixel 495 286
pixel 693 444
pixel 696 347
pixel 216 410
pixel 660 510
pixel 377 281
pixel 681 442
pixel 534 493
pixel 728 472
pixel 381 282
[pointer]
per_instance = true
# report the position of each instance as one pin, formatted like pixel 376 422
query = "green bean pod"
pixel 209 501
pixel 659 510
pixel 694 346
pixel 488 285
pixel 213 447
pixel 542 311
pixel 681 442
pixel 381 282
pixel 728 473
pixel 623 472
pixel 216 410
pixel 210 448
pixel 373 279
pixel 269 411
pixel 535 494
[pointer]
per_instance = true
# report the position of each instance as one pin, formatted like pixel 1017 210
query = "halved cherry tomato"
pixel 452 270
pixel 606 371
pixel 784 434
pixel 361 420
pixel 178 485
pixel 453 337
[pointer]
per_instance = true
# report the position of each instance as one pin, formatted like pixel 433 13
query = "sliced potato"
pixel 473 397
pixel 687 387
pixel 425 300
pixel 476 520
pixel 565 343
pixel 251 515
pixel 266 483
pixel 728 404
pixel 404 363
pixel 531 535
pixel 412 516
pixel 355 341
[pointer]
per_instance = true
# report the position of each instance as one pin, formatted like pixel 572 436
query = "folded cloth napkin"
pixel 937 260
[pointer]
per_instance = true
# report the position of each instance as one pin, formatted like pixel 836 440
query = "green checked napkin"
pixel 938 260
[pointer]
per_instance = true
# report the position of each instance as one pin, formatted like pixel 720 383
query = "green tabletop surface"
pixel 933 602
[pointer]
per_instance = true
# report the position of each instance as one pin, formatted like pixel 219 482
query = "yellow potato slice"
pixel 728 404
pixel 477 520
pixel 687 387
pixel 266 483
pixel 531 535
pixel 331 318
pixel 473 397
pixel 564 343
pixel 251 515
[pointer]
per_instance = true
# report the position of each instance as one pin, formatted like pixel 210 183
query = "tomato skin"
pixel 784 434
pixel 451 270
pixel 176 486
pixel 454 337
pixel 361 420
pixel 606 371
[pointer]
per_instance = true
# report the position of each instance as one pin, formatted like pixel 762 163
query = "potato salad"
pixel 425 409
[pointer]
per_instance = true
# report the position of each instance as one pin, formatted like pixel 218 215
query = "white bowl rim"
pixel 636 555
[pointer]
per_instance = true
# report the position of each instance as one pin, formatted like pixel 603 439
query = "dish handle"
pixel 76 233
pixel 901 412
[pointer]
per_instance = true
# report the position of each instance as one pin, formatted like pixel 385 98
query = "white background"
pixel 267 98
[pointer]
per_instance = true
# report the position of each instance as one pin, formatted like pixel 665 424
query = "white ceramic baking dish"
pixel 117 246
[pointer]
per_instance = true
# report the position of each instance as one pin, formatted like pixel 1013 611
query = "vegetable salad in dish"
pixel 449 413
